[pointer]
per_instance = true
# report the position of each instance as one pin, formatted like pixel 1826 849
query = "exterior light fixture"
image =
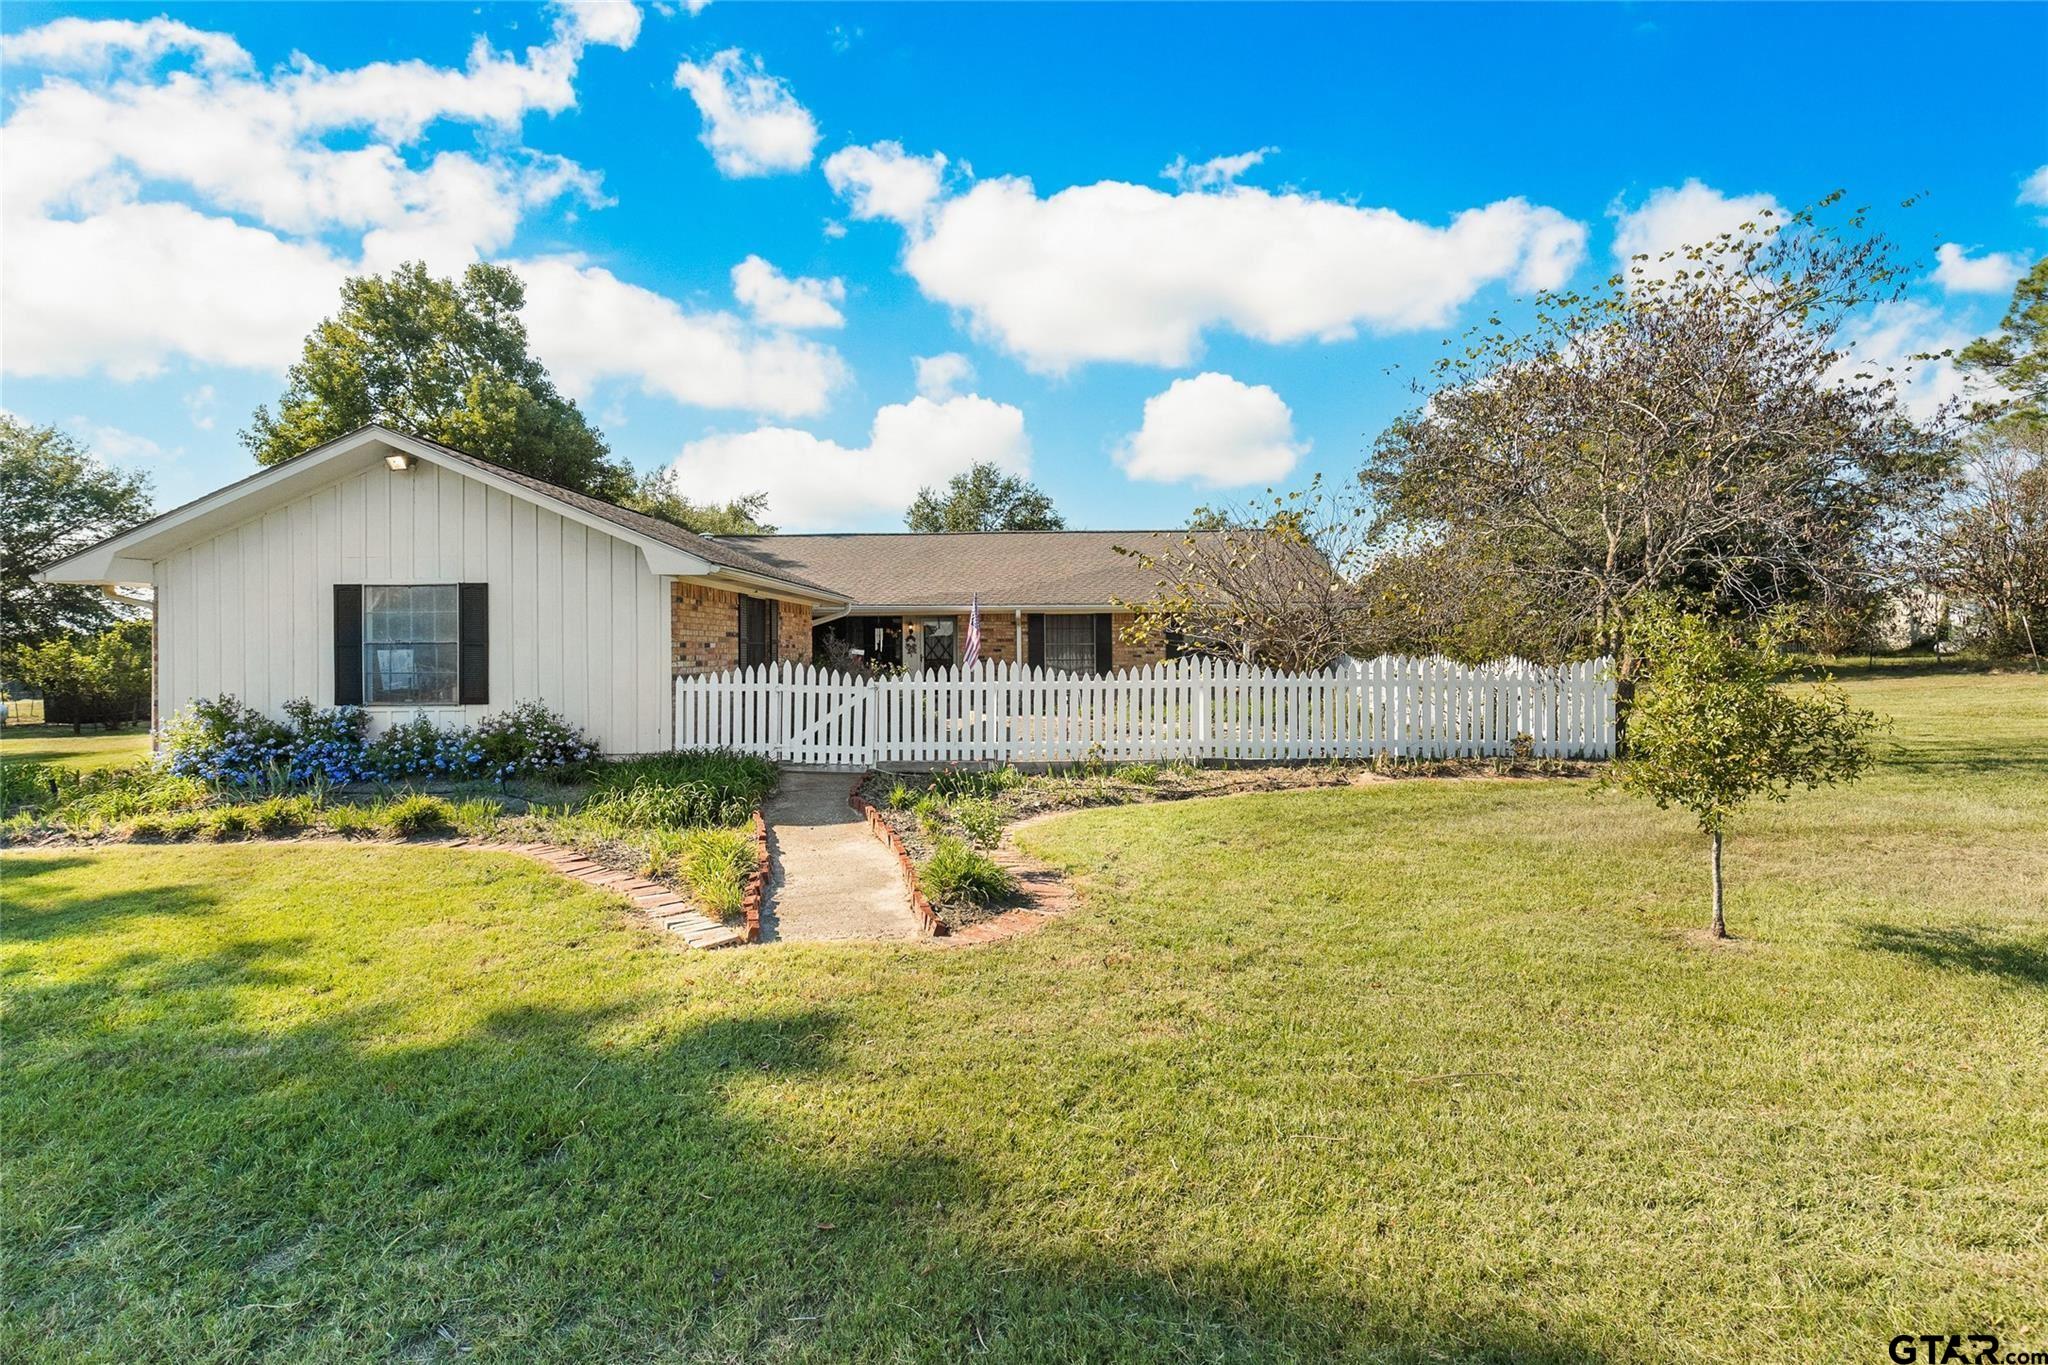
pixel 398 460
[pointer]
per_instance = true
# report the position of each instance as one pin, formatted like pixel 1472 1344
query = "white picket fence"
pixel 1186 709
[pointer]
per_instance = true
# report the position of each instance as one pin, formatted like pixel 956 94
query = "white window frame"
pixel 371 647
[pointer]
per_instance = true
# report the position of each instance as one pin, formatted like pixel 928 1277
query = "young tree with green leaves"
pixel 1715 725
pixel 444 359
pixel 56 498
pixel 983 498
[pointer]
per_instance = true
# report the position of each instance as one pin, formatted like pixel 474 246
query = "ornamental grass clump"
pixel 958 875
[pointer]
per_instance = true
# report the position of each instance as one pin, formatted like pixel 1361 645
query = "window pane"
pixel 1070 643
pixel 410 653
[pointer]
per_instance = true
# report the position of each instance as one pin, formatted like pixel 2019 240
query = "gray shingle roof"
pixel 1002 568
pixel 714 550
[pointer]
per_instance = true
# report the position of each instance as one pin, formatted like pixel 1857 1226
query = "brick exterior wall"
pixel 1123 653
pixel 704 630
pixel 793 632
pixel 1000 638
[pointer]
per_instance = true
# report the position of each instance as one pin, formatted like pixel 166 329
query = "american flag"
pixel 970 655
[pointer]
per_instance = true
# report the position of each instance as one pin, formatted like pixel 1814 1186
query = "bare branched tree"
pixel 1988 546
pixel 1696 426
pixel 1274 582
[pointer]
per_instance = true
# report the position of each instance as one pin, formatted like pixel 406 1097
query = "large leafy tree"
pixel 1715 726
pixel 660 494
pixel 56 498
pixel 2015 358
pixel 101 679
pixel 983 498
pixel 444 359
pixel 1693 425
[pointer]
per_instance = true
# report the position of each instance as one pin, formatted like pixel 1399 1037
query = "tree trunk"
pixel 1720 929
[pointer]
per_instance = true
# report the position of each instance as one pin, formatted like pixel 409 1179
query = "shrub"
pixel 415 814
pixel 420 748
pixel 329 744
pixel 528 741
pixel 901 797
pixel 982 819
pixel 1138 774
pixel 226 743
pixel 957 875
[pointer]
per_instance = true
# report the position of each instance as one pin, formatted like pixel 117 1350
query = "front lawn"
pixel 94 748
pixel 1418 1071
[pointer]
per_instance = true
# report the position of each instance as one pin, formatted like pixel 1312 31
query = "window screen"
pixel 757 631
pixel 1070 643
pixel 411 645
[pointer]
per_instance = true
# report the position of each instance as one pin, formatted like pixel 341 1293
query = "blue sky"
pixel 183 194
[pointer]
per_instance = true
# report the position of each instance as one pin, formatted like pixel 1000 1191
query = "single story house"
pixel 398 574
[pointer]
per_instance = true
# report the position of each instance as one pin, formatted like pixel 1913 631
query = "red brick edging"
pixel 919 906
pixel 757 882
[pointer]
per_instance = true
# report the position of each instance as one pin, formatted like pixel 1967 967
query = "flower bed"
pixel 684 819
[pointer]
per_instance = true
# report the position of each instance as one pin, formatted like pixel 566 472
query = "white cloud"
pixel 125 290
pixel 282 183
pixel 1114 271
pixel 777 300
pixel 1693 214
pixel 2034 189
pixel 817 484
pixel 1882 344
pixel 753 124
pixel 199 407
pixel 1213 430
pixel 95 45
pixel 1214 173
pixel 1995 272
pixel 609 23
pixel 114 445
pixel 588 325
pixel 941 376
pixel 884 181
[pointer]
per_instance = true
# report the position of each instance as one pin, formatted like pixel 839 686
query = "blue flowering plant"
pixel 228 744
pixel 529 741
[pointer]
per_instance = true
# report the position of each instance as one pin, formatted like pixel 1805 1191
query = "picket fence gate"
pixel 1185 709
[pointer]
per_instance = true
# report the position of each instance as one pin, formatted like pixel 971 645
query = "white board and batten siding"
pixel 577 619
pixel 1189 709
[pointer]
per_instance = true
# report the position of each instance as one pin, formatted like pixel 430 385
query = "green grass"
pixel 56 744
pixel 1427 1070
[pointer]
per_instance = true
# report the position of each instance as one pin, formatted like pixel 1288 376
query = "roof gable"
pixel 127 557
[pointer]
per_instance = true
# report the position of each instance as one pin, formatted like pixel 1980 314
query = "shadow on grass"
pixel 551 1183
pixel 1962 948
pixel 84 913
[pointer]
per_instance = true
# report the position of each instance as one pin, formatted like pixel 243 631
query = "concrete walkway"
pixel 829 877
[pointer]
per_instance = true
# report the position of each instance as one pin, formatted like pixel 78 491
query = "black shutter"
pixel 473 683
pixel 1104 643
pixel 348 644
pixel 1034 627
